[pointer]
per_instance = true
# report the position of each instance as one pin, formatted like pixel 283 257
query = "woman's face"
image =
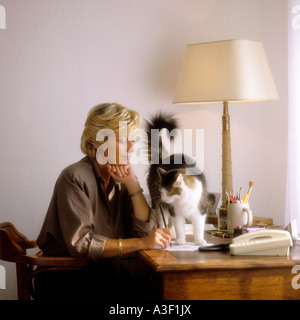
pixel 117 148
pixel 124 147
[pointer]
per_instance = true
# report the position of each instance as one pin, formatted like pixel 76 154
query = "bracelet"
pixel 136 193
pixel 120 247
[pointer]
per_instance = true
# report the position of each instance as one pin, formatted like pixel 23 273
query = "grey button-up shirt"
pixel 81 216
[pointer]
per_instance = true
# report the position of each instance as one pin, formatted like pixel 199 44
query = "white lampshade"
pixel 231 70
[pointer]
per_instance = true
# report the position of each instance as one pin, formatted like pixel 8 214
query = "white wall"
pixel 60 58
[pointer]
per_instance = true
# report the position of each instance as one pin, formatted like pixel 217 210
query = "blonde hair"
pixel 105 116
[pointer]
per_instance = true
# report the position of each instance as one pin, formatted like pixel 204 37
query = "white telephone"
pixel 263 243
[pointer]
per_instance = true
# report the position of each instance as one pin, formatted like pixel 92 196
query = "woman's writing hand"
pixel 161 237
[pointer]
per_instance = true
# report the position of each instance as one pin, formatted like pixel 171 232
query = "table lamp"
pixel 223 72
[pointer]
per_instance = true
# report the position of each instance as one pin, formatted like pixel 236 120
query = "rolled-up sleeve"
pixel 96 247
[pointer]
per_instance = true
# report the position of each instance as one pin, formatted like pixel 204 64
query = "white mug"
pixel 238 214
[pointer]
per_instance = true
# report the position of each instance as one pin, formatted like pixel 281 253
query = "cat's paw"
pixel 200 242
pixel 180 241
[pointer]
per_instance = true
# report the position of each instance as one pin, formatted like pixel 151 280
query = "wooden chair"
pixel 13 246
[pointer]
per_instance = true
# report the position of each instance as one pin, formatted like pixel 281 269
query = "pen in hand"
pixel 164 220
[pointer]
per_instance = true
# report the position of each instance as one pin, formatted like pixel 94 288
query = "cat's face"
pixel 171 183
pixel 168 196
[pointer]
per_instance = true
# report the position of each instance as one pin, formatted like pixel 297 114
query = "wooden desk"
pixel 197 275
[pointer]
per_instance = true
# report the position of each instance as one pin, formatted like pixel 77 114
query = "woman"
pixel 98 209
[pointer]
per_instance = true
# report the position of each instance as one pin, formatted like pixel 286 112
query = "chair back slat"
pixel 10 250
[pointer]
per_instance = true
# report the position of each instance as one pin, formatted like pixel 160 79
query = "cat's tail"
pixel 162 121
pixel 153 127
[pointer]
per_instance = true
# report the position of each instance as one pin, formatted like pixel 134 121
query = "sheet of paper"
pixel 189 245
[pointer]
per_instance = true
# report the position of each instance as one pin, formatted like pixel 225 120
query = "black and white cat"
pixel 171 185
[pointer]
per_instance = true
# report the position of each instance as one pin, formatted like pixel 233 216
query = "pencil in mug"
pixel 247 195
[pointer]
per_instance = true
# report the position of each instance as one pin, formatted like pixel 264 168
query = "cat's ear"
pixel 161 172
pixel 179 180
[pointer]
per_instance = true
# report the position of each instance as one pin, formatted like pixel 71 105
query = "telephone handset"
pixel 263 243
